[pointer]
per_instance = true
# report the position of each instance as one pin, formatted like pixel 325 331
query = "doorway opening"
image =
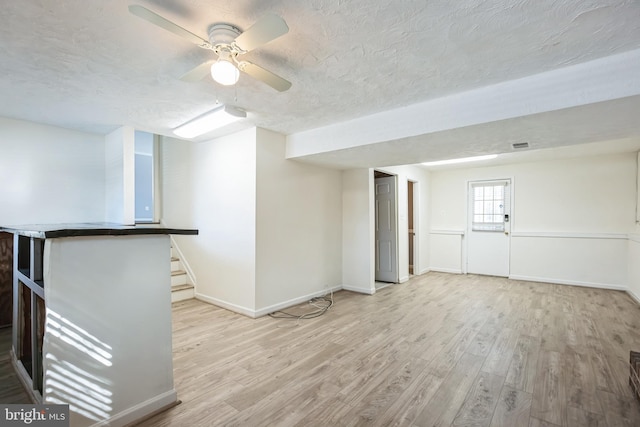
pixel 386 229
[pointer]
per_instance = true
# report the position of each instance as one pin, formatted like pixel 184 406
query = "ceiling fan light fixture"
pixel 224 72
pixel 212 120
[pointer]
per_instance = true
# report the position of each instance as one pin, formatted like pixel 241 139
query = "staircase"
pixel 181 289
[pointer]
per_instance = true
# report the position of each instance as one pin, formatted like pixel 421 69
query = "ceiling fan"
pixel 229 44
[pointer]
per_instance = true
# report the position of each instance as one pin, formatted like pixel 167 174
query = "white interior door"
pixel 489 225
pixel 386 230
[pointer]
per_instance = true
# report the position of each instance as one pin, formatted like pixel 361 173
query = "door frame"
pixel 467 228
pixel 416 225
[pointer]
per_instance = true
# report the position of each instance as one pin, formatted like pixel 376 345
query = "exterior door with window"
pixel 489 227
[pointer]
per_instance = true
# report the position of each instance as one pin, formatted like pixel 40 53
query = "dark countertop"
pixel 47 231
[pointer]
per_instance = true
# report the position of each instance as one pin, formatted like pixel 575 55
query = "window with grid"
pixel 488 206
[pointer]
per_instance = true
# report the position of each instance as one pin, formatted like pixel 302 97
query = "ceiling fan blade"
pixel 259 73
pixel 154 18
pixel 263 31
pixel 198 73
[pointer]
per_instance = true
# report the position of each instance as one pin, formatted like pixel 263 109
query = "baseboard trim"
pixel 403 279
pixel 633 296
pixel 141 410
pixel 446 270
pixel 294 301
pixel 569 282
pixel 359 290
pixel 226 305
pixel 425 271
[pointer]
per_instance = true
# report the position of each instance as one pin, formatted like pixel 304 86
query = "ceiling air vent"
pixel 520 145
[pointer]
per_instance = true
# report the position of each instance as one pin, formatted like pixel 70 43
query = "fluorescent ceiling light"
pixel 462 160
pixel 214 119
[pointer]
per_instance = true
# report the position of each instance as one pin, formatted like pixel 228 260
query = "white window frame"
pixel 490 226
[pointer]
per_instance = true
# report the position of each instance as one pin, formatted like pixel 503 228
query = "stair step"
pixel 179 278
pixel 182 292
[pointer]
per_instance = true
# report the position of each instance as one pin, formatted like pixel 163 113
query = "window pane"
pixel 144 177
pixel 497 218
pixel 488 208
pixel 498 192
pixel 477 207
pixel 498 207
pixel 478 193
pixel 488 193
pixel 477 218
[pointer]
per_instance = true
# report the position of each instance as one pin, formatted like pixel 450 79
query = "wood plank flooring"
pixel 439 350
pixel 11 390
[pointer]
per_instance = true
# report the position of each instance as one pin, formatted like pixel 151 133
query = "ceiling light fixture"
pixel 214 119
pixel 223 71
pixel 461 160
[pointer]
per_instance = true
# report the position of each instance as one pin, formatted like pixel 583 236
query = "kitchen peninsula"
pixel 92 318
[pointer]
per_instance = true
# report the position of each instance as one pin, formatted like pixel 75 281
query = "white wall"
pixel 176 183
pixel 570 217
pixel 298 227
pixel 211 186
pixel 358 249
pixel 49 174
pixel 120 348
pixel 633 259
pixel 120 175
pixel 633 263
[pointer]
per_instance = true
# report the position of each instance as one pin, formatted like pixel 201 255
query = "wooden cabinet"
pixel 29 307
pixel 6 278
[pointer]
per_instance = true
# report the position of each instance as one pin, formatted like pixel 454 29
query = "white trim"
pixel 569 235
pixel 226 305
pixel 295 301
pixel 139 411
pixel 446 270
pixel 368 291
pixel 403 279
pixel 633 296
pixel 569 282
pixel 451 232
pixel 634 238
pixel 424 271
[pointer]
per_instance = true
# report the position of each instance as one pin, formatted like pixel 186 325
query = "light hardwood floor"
pixel 439 350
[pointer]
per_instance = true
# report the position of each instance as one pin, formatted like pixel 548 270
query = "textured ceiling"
pixel 92 66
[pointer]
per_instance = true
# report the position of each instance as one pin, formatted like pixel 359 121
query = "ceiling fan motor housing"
pixel 221 36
